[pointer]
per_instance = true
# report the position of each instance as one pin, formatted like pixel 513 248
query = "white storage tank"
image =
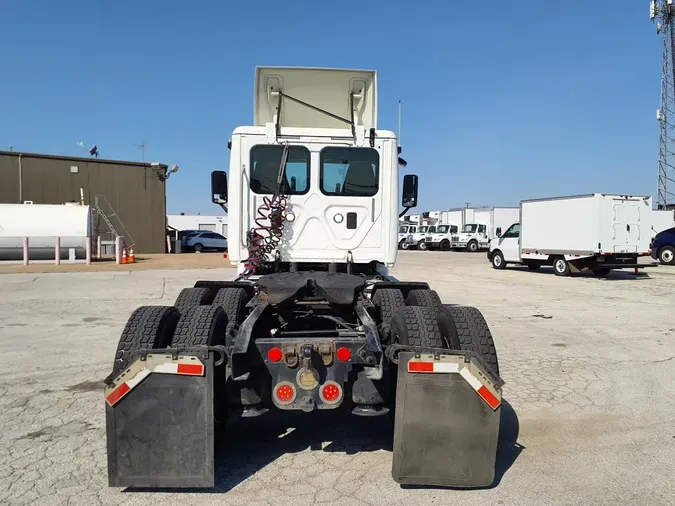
pixel 42 224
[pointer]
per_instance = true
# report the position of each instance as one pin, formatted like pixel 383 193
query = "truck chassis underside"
pixel 304 341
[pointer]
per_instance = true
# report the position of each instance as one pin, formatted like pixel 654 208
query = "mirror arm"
pixel 404 212
pixel 224 207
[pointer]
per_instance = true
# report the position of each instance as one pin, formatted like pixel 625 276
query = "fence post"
pixel 98 247
pixel 87 248
pixel 118 250
pixel 25 251
pixel 57 251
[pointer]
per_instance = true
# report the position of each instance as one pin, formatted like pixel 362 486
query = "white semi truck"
pixel 313 321
pixel 480 225
pixel 595 232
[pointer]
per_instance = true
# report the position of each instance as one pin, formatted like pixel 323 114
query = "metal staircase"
pixel 103 210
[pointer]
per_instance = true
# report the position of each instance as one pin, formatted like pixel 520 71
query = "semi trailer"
pixel 594 232
pixel 313 321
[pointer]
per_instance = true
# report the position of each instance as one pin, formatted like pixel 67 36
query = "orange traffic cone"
pixel 125 257
pixel 132 255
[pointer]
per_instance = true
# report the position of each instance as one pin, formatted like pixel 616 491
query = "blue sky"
pixel 533 99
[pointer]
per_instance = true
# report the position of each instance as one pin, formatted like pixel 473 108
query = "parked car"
pixel 663 247
pixel 203 241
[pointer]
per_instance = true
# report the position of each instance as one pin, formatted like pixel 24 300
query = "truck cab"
pixel 405 236
pixel 441 237
pixel 474 236
pixel 338 193
pixel 508 244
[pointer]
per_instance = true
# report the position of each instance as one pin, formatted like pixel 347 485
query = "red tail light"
pixel 343 354
pixel 274 355
pixel 284 393
pixel 331 392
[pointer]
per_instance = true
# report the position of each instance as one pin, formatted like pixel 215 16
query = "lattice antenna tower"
pixel 663 12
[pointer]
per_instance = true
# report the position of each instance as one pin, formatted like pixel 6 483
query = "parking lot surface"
pixel 589 366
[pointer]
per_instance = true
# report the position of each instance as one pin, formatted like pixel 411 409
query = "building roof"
pixel 80 159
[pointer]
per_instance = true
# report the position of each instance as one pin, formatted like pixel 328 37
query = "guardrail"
pixel 51 249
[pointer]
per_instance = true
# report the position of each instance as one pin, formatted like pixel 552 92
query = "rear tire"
pixel 148 327
pixel 424 298
pixel 233 301
pixel 416 326
pixel 466 327
pixel 667 255
pixel 561 267
pixel 498 260
pixel 201 326
pixel 189 297
pixel 387 301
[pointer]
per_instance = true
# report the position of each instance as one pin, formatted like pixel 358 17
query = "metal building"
pixel 130 196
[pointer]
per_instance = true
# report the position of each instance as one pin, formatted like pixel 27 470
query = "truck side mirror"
pixel 499 231
pixel 218 187
pixel 409 196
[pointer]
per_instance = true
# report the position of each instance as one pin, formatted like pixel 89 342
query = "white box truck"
pixel 480 225
pixel 597 232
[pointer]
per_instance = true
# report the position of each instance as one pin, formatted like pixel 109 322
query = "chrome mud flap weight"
pixel 446 426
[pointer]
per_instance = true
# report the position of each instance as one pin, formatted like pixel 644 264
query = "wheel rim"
pixel 667 256
pixel 405 245
pixel 472 246
pixel 497 260
pixel 423 245
pixel 560 265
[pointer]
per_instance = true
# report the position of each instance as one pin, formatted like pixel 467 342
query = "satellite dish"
pixel 94 151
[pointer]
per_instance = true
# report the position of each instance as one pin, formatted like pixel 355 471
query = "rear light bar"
pixel 141 369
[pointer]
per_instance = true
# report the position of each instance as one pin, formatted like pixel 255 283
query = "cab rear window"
pixel 265 163
pixel 350 172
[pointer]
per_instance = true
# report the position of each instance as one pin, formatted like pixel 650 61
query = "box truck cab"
pixel 405 236
pixel 440 238
pixel 596 232
pixel 472 237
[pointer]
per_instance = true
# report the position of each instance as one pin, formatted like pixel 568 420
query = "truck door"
pixel 626 226
pixel 509 244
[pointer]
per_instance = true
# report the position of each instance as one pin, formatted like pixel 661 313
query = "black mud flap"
pixel 159 423
pixel 447 421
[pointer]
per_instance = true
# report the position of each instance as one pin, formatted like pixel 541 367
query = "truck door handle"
pixel 351 221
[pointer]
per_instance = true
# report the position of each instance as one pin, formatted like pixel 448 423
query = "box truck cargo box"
pixel 597 232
